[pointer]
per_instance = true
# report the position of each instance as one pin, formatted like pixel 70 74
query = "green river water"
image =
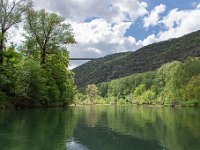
pixel 100 128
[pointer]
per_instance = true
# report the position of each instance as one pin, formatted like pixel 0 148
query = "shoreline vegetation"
pixel 134 105
pixel 173 84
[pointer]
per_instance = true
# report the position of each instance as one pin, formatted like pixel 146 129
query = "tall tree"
pixel 10 14
pixel 48 31
pixel 92 92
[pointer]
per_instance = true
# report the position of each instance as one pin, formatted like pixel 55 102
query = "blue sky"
pixel 181 4
pixel 103 27
pixel 137 29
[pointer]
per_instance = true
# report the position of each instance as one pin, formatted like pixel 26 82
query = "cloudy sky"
pixel 103 27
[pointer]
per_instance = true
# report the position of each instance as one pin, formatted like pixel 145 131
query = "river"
pixel 100 128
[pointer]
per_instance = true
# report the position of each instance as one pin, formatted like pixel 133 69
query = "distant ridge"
pixel 145 59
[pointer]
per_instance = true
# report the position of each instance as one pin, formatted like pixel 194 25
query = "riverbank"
pixel 30 104
pixel 24 103
pixel 139 105
pixel 84 99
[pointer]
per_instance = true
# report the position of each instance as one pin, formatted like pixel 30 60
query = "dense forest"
pixel 148 58
pixel 35 72
pixel 174 83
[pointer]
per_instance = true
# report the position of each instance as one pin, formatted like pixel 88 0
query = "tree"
pixel 192 89
pixel 139 90
pixel 148 96
pixel 30 82
pixel 12 61
pixel 47 31
pixel 56 70
pixel 103 89
pixel 10 15
pixel 92 91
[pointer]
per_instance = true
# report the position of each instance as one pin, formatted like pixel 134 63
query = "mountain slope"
pixel 147 58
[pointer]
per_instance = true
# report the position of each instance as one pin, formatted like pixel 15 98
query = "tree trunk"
pixel 43 56
pixel 1 50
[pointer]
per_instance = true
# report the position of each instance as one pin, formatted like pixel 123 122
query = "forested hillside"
pixel 145 59
pixel 174 83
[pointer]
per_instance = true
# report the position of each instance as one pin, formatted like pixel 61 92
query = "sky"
pixel 103 27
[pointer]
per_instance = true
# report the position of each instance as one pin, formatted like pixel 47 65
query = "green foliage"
pixel 111 100
pixel 23 78
pixel 99 100
pixel 57 72
pixel 11 14
pixel 8 76
pixel 148 58
pixel 173 83
pixel 45 34
pixel 104 89
pixel 139 90
pixel 124 86
pixel 38 85
pixel 92 92
pixel 30 82
pixel 166 81
pixel 79 98
pixel 148 96
pixel 121 101
pixel 192 90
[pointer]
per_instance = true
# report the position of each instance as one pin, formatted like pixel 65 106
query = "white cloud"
pixel 153 18
pixel 198 6
pixel 114 11
pixel 99 38
pixel 149 40
pixel 180 22
pixel 99 30
pixel 177 23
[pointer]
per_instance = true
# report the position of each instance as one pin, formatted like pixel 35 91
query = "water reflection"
pixel 100 128
pixel 36 129
pixel 74 145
